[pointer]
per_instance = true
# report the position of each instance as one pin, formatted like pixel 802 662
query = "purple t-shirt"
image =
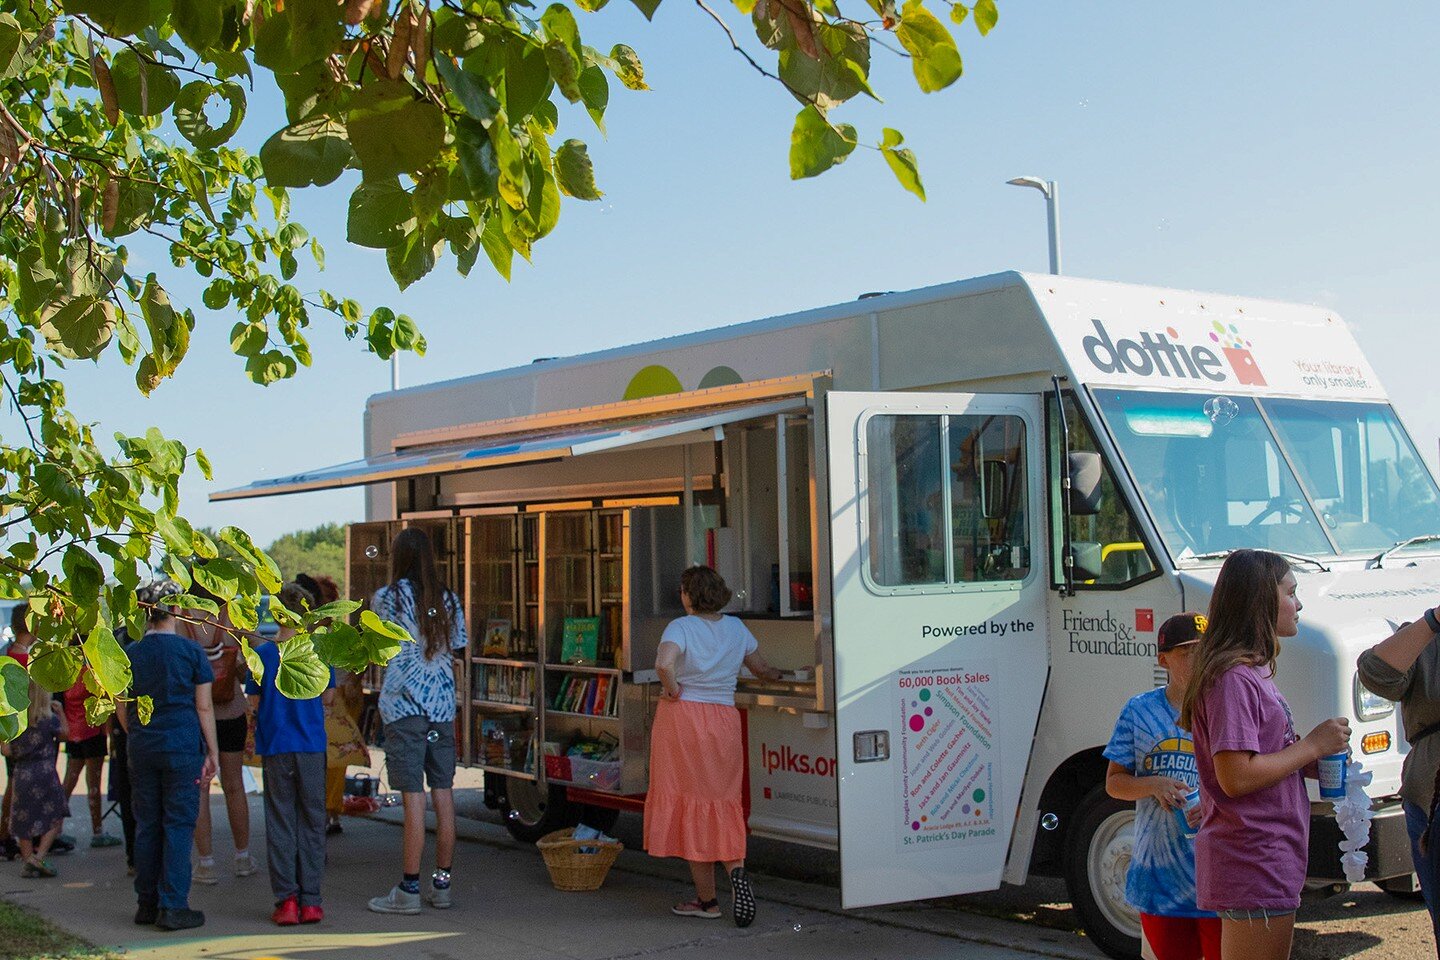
pixel 1251 851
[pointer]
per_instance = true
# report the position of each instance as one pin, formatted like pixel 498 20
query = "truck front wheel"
pixel 531 811
pixel 1097 855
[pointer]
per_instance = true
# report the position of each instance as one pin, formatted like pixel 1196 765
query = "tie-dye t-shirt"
pixel 1148 743
pixel 414 686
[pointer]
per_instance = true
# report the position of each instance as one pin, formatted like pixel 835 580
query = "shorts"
pixel 1259 913
pixel 88 749
pixel 413 760
pixel 230 734
pixel 1182 938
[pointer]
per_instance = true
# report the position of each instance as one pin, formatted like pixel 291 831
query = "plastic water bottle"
pixel 1332 770
pixel 1192 800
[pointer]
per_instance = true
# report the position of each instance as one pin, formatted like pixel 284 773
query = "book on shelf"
pixel 591 696
pixel 497 638
pixel 579 640
pixel 503 684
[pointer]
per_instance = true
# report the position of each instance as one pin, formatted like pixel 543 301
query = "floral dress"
pixel 38 804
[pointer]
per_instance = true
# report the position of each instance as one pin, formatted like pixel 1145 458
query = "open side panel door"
pixel 940 643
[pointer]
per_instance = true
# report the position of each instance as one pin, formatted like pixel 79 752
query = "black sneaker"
pixel 744 897
pixel 181 918
pixel 63 844
pixel 146 915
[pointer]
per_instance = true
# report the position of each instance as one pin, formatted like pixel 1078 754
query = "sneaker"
pixel 146 915
pixel 63 844
pixel 9 849
pixel 180 918
pixel 333 827
pixel 105 840
pixel 744 897
pixel 287 913
pixel 35 869
pixel 396 901
pixel 312 914
pixel 244 866
pixel 438 897
pixel 704 909
pixel 204 873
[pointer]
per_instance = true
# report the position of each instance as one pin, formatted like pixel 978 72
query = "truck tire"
pixel 1097 856
pixel 531 811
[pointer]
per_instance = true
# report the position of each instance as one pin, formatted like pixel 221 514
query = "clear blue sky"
pixel 1272 150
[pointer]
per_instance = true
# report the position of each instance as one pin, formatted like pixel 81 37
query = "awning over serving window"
pixel 508 449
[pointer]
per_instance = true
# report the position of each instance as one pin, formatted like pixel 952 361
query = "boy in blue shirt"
pixel 291 742
pixel 1152 762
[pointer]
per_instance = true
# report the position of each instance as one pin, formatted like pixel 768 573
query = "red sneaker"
pixel 287 913
pixel 312 914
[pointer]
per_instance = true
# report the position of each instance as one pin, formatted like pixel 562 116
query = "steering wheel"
pixel 1281 506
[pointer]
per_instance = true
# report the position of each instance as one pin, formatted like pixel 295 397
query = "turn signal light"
pixel 1376 742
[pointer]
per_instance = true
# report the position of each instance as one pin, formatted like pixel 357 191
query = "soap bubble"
pixel 1221 410
pixel 433 736
pixel 1049 821
pixel 432 612
pixel 797 928
pixel 372 551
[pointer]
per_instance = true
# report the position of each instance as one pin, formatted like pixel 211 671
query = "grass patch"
pixel 25 935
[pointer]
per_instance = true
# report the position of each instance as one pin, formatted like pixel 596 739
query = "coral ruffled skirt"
pixel 697 764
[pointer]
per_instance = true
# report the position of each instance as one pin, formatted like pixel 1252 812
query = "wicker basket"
pixel 572 870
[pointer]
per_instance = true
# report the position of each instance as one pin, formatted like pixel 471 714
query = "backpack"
pixel 225 664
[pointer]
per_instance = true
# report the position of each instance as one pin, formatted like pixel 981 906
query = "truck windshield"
pixel 1220 472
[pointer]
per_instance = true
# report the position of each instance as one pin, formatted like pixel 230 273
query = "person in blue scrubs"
pixel 172 760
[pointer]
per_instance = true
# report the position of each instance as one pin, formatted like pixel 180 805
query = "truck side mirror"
pixel 995 489
pixel 1086 472
pixel 1085 560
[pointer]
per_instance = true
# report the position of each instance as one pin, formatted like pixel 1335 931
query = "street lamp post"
pixel 1052 209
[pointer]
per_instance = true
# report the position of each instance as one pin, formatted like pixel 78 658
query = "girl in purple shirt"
pixel 1252 849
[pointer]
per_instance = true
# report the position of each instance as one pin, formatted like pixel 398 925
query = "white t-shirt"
pixel 711 654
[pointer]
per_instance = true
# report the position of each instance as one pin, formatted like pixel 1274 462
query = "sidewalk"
pixel 505 908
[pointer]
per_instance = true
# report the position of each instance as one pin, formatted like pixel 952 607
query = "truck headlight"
pixel 1370 706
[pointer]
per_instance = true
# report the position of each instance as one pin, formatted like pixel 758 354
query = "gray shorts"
pixel 412 758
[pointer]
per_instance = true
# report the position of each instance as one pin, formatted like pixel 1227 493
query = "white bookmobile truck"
pixel 956 515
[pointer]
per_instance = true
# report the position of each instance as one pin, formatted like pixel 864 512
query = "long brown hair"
pixel 1243 611
pixel 413 559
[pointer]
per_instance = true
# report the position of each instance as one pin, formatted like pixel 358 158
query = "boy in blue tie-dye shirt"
pixel 1152 762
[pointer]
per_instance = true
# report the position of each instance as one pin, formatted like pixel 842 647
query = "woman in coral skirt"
pixel 697 759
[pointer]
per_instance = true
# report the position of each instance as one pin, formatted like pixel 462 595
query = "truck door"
pixel 940 646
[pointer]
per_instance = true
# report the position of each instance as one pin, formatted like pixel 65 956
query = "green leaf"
pixel 595 94
pixel 370 621
pixel 498 249
pixel 958 12
pixel 380 214
pixel 244 612
pixel 144 709
pixel 468 88
pixel 108 661
pixel 98 710
pixel 934 58
pixel 335 608
pixel 169 333
pixel 986 16
pixel 218 576
pixel 13 724
pixel 188 601
pixel 314 151
pixel 13 44
pixel 816 145
pixel 392 132
pixel 563 52
pixel 266 570
pixel 150 98
pixel 198 22
pixel 176 532
pixel 591 6
pixel 840 71
pixel 304 32
pixel 574 171
pixel 194 180
pixel 527 78
pixel 57 668
pixel 902 164
pixel 190 117
pixel 14 687
pixel 116 17
pixel 134 209
pixel 79 328
pixel 252 660
pixel 628 68
pixel 647 7
pixel 301 675
pixel 410 259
